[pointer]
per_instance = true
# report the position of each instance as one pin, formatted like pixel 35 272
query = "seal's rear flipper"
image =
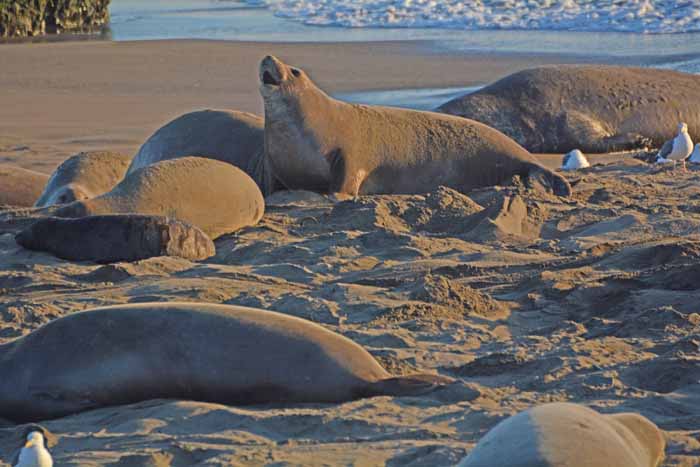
pixel 411 385
pixel 550 180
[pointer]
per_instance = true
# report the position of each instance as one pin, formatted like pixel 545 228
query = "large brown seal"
pixel 317 143
pixel 569 435
pixel 593 108
pixel 84 176
pixel 116 237
pixel 225 135
pixel 20 187
pixel 214 353
pixel 212 195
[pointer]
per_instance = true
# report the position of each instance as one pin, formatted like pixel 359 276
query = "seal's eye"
pixel 296 72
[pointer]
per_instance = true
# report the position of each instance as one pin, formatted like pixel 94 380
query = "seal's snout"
pixel 271 71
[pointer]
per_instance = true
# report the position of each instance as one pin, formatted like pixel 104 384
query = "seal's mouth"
pixel 269 80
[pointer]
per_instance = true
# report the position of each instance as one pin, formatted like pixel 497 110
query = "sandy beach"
pixel 522 296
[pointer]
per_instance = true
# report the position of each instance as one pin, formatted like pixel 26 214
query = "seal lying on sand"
pixel 20 187
pixel 117 237
pixel 569 435
pixel 224 135
pixel 590 107
pixel 84 176
pixel 317 143
pixel 212 195
pixel 214 353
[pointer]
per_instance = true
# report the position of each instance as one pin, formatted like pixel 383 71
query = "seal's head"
pixel 682 128
pixel 277 79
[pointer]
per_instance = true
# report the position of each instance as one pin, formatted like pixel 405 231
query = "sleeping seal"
pixel 317 143
pixel 84 176
pixel 212 353
pixel 116 237
pixel 569 435
pixel 212 195
pixel 590 107
pixel 225 135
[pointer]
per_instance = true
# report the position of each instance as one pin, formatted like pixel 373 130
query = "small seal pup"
pixel 20 187
pixel 212 353
pixel 314 142
pixel 84 176
pixel 224 135
pixel 211 195
pixel 569 435
pixel 116 237
pixel 594 108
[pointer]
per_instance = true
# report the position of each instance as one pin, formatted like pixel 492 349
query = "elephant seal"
pixel 20 187
pixel 569 435
pixel 224 135
pixel 84 176
pixel 212 353
pixel 314 142
pixel 593 108
pixel 116 237
pixel 212 195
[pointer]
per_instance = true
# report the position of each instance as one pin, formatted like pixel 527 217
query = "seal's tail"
pixel 554 181
pixel 411 385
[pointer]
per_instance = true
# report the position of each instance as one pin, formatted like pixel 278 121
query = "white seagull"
pixel 34 454
pixel 678 148
pixel 695 156
pixel 574 160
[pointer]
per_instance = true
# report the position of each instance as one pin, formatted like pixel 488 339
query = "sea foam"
pixel 641 16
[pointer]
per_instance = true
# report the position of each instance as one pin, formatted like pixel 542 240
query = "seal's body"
pixel 116 237
pixel 590 107
pixel 214 353
pixel 569 435
pixel 318 143
pixel 211 195
pixel 84 176
pixel 225 135
pixel 20 187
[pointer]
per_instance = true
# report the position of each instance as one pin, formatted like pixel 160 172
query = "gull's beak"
pixel 28 444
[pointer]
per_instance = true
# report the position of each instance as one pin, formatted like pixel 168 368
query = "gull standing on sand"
pixel 695 156
pixel 34 454
pixel 678 148
pixel 575 160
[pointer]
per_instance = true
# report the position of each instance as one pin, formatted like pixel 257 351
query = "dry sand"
pixel 524 297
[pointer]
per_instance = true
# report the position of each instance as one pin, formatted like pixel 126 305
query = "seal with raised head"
pixel 213 353
pixel 20 187
pixel 318 143
pixel 84 176
pixel 116 237
pixel 569 435
pixel 224 135
pixel 211 195
pixel 593 108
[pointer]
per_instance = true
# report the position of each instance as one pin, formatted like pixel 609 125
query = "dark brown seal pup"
pixel 84 176
pixel 569 435
pixel 213 353
pixel 317 143
pixel 118 237
pixel 211 195
pixel 20 187
pixel 225 135
pixel 593 108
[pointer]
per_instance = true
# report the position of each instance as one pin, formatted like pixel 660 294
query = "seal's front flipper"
pixel 549 180
pixel 625 142
pixel 579 130
pixel 411 385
